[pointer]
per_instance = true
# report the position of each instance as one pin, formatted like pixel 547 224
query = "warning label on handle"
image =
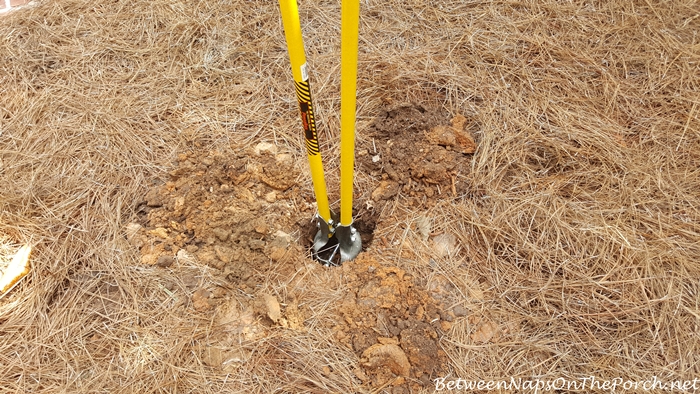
pixel 307 118
pixel 304 73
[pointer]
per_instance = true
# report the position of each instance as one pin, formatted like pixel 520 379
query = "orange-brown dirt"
pixel 418 154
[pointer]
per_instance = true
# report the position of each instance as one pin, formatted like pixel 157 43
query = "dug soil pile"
pixel 242 213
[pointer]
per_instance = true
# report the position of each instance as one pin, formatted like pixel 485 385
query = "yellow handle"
pixel 350 22
pixel 295 45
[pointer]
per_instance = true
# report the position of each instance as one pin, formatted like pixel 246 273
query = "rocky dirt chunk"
pixel 154 197
pixel 386 190
pixel 268 305
pixel 200 300
pixel 165 261
pixel 453 136
pixel 132 233
pixel 265 147
pixel 386 356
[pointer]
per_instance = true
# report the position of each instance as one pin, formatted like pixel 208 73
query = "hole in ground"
pixel 364 223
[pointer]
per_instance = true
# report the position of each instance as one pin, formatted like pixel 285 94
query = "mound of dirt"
pixel 417 155
pixel 390 323
pixel 233 212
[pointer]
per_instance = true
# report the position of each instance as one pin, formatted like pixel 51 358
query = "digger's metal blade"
pixel 335 245
pixel 349 242
pixel 324 234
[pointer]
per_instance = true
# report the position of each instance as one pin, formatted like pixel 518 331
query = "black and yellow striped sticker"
pixel 307 117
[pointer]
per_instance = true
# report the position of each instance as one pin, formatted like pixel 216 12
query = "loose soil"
pixel 417 155
pixel 242 213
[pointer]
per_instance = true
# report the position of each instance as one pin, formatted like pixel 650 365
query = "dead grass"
pixel 580 233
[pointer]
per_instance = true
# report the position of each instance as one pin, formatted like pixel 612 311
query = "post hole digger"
pixel 336 234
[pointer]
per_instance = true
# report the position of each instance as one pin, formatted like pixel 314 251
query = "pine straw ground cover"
pixel 579 232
